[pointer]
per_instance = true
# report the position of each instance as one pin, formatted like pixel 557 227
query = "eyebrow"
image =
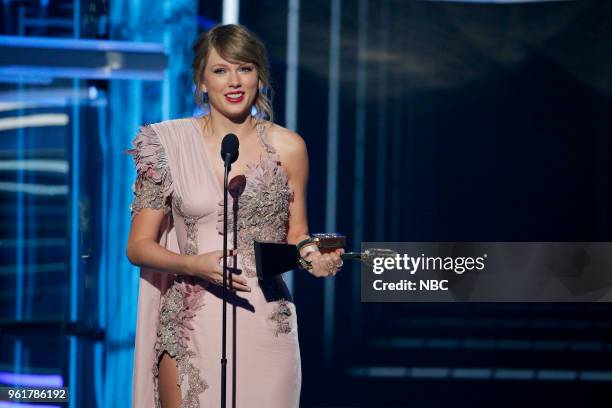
pixel 222 64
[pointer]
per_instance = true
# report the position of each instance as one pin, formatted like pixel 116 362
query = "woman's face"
pixel 232 88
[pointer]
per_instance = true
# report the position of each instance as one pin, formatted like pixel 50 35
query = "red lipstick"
pixel 234 97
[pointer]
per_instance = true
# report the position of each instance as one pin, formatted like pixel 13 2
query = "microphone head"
pixel 230 145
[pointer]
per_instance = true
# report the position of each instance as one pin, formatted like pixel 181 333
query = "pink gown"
pixel 181 315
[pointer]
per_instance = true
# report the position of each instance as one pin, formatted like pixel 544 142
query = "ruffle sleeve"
pixel 153 187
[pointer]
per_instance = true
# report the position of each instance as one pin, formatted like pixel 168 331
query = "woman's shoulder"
pixel 166 138
pixel 285 141
pixel 170 132
pixel 174 124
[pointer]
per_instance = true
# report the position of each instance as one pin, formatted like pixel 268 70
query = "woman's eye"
pixel 246 69
pixel 219 70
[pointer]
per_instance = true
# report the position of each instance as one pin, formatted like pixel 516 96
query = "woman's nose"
pixel 234 79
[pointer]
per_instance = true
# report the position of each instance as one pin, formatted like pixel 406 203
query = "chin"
pixel 236 113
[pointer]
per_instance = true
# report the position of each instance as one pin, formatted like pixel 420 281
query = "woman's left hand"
pixel 325 264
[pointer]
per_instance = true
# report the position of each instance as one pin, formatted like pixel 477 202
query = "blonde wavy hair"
pixel 234 43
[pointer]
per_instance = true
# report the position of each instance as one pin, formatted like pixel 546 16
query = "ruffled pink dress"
pixel 181 315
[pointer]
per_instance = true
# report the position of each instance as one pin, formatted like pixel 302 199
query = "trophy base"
pixel 273 259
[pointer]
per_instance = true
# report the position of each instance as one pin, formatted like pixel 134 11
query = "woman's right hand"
pixel 325 264
pixel 208 266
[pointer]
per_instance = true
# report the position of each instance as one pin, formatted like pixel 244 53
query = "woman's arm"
pixel 294 157
pixel 144 250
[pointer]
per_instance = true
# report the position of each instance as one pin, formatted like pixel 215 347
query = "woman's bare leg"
pixel 169 391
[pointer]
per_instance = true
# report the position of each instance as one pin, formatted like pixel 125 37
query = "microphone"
pixel 229 149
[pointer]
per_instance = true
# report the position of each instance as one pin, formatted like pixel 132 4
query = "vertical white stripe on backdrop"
pixel 359 170
pixel 231 11
pixel 382 137
pixel 291 84
pixel 333 101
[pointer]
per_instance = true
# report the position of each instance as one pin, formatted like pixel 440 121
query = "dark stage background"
pixel 424 120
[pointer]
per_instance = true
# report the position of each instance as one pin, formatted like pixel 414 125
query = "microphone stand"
pixel 234 316
pixel 224 318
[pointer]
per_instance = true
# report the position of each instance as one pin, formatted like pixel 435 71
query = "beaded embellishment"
pixel 263 207
pixel 281 316
pixel 191 225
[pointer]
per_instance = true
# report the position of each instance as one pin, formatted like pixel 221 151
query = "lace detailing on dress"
pixel 263 207
pixel 191 225
pixel 178 308
pixel 153 183
pixel 282 316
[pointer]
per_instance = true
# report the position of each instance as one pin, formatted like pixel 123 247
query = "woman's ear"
pixel 203 84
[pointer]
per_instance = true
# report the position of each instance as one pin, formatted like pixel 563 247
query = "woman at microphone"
pixel 176 238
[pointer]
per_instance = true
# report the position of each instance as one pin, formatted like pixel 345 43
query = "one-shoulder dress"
pixel 181 315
